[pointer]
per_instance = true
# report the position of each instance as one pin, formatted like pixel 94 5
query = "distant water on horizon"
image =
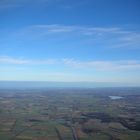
pixel 43 84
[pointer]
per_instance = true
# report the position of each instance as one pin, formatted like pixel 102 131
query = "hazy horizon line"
pixel 62 84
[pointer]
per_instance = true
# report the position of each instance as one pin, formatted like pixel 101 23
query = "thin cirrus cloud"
pixel 112 37
pixel 11 3
pixel 108 35
pixel 75 28
pixel 121 65
pixel 4 4
pixel 21 61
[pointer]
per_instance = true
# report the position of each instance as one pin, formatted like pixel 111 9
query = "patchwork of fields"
pixel 70 114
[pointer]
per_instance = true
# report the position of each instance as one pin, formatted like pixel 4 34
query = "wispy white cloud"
pixel 21 61
pixel 120 65
pixel 11 60
pixel 74 28
pixel 104 65
pixel 111 37
pixel 53 28
pixel 4 4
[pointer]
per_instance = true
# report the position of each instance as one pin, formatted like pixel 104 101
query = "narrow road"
pixel 58 134
pixel 74 134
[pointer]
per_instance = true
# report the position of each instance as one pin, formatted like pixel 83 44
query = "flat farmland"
pixel 70 114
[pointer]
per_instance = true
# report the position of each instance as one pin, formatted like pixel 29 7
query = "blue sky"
pixel 70 40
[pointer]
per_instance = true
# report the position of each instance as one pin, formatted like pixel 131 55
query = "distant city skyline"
pixel 70 41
